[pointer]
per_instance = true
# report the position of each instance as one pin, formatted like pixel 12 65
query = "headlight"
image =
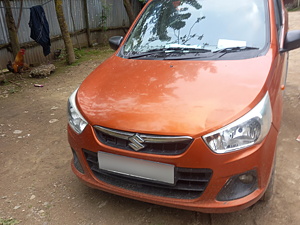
pixel 250 129
pixel 76 120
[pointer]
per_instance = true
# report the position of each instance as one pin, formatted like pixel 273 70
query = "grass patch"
pixel 84 54
pixel 9 221
pixel 10 87
pixel 294 9
pixel 13 90
pixel 13 84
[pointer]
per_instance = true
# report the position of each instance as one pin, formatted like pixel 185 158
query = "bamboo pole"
pixel 72 18
pixel 87 24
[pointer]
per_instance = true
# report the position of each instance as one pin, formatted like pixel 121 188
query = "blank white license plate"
pixel 136 167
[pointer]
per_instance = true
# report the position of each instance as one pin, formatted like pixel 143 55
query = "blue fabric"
pixel 40 28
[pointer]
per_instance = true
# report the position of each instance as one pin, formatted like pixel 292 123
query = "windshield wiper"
pixel 194 50
pixel 235 49
pixel 134 55
pixel 166 52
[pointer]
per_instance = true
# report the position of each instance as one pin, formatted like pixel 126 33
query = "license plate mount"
pixel 137 168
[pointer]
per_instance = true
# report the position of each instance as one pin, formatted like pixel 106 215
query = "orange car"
pixel 186 113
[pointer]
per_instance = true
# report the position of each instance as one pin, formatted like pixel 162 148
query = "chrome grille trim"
pixel 146 137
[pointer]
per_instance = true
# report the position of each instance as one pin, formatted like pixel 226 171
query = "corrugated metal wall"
pixel 116 17
pixel 291 3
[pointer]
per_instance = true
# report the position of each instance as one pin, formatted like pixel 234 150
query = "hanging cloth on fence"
pixel 40 28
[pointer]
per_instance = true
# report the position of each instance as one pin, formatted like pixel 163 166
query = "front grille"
pixel 189 183
pixel 171 146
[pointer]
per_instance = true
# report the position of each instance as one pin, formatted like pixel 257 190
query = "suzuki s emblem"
pixel 136 142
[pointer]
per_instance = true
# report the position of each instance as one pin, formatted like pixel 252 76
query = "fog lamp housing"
pixel 239 186
pixel 77 162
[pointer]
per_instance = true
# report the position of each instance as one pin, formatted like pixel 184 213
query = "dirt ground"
pixel 37 185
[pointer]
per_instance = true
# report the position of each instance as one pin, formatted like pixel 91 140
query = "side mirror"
pixel 115 41
pixel 292 41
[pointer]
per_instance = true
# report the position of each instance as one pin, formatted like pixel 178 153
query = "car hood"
pixel 171 97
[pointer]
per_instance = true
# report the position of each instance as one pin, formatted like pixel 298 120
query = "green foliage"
pixel 12 90
pixel 294 9
pixel 9 221
pixel 79 53
pixel 84 54
pixel 104 15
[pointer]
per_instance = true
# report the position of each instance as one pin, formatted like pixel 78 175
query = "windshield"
pixel 206 25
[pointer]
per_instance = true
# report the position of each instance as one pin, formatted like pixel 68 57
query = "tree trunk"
pixel 129 10
pixel 12 30
pixel 64 31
